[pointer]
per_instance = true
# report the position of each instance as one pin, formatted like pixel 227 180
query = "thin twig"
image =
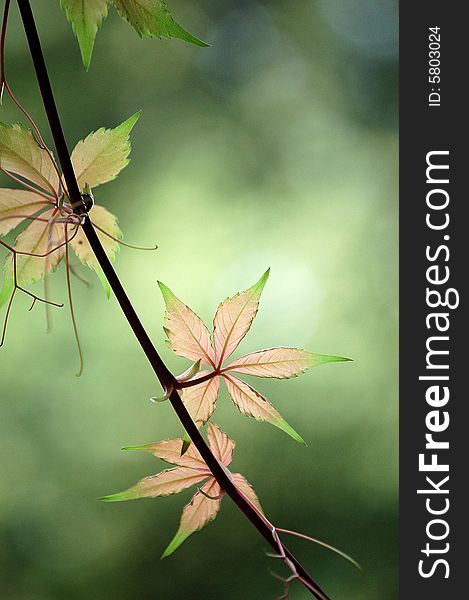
pixel 70 301
pixel 121 242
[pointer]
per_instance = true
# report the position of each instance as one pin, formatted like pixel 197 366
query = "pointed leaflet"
pixel 108 222
pixel 234 317
pixel 200 511
pixel 200 400
pixel 170 451
pixel 187 334
pixel 243 484
pixel 220 444
pixel 85 17
pixel 16 205
pixel 253 404
pixel 21 154
pixel 102 155
pixel 153 19
pixel 38 238
pixel 171 481
pixel 281 363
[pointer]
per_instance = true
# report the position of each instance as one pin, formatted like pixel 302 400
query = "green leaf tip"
pixel 151 18
pixel 284 426
pixel 120 496
pixel 168 296
pixel 262 281
pixel 127 126
pixel 186 442
pixel 164 289
pixel 146 448
pixel 321 359
pixel 174 544
pixel 85 18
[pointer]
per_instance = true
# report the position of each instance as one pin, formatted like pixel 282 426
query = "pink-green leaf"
pixel 16 206
pixel 243 484
pixel 234 317
pixel 200 511
pixel 200 400
pixel 171 481
pixel 170 451
pixel 38 238
pixel 21 154
pixel 281 363
pixel 251 403
pixel 220 444
pixel 107 222
pixel 102 155
pixel 187 334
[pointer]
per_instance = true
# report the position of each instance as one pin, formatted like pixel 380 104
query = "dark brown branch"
pixel 165 377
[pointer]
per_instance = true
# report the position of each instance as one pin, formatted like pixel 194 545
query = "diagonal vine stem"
pixel 165 377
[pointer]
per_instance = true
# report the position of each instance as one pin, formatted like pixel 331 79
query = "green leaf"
pixel 187 334
pixel 195 515
pixel 42 248
pixel 85 17
pixel 166 483
pixel 152 18
pixel 21 154
pixel 186 442
pixel 102 155
pixel 281 363
pixel 253 404
pixel 234 318
pixel 80 245
pixel 287 428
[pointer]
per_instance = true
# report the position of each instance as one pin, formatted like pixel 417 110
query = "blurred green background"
pixel 275 147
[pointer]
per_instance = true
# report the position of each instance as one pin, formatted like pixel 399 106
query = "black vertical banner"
pixel 434 267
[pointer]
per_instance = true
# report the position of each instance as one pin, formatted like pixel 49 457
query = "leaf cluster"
pixel 43 201
pixel 150 18
pixel 189 337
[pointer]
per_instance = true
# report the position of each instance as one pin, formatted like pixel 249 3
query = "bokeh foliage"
pixel 276 147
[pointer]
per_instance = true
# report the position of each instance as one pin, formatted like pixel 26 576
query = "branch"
pixel 165 377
